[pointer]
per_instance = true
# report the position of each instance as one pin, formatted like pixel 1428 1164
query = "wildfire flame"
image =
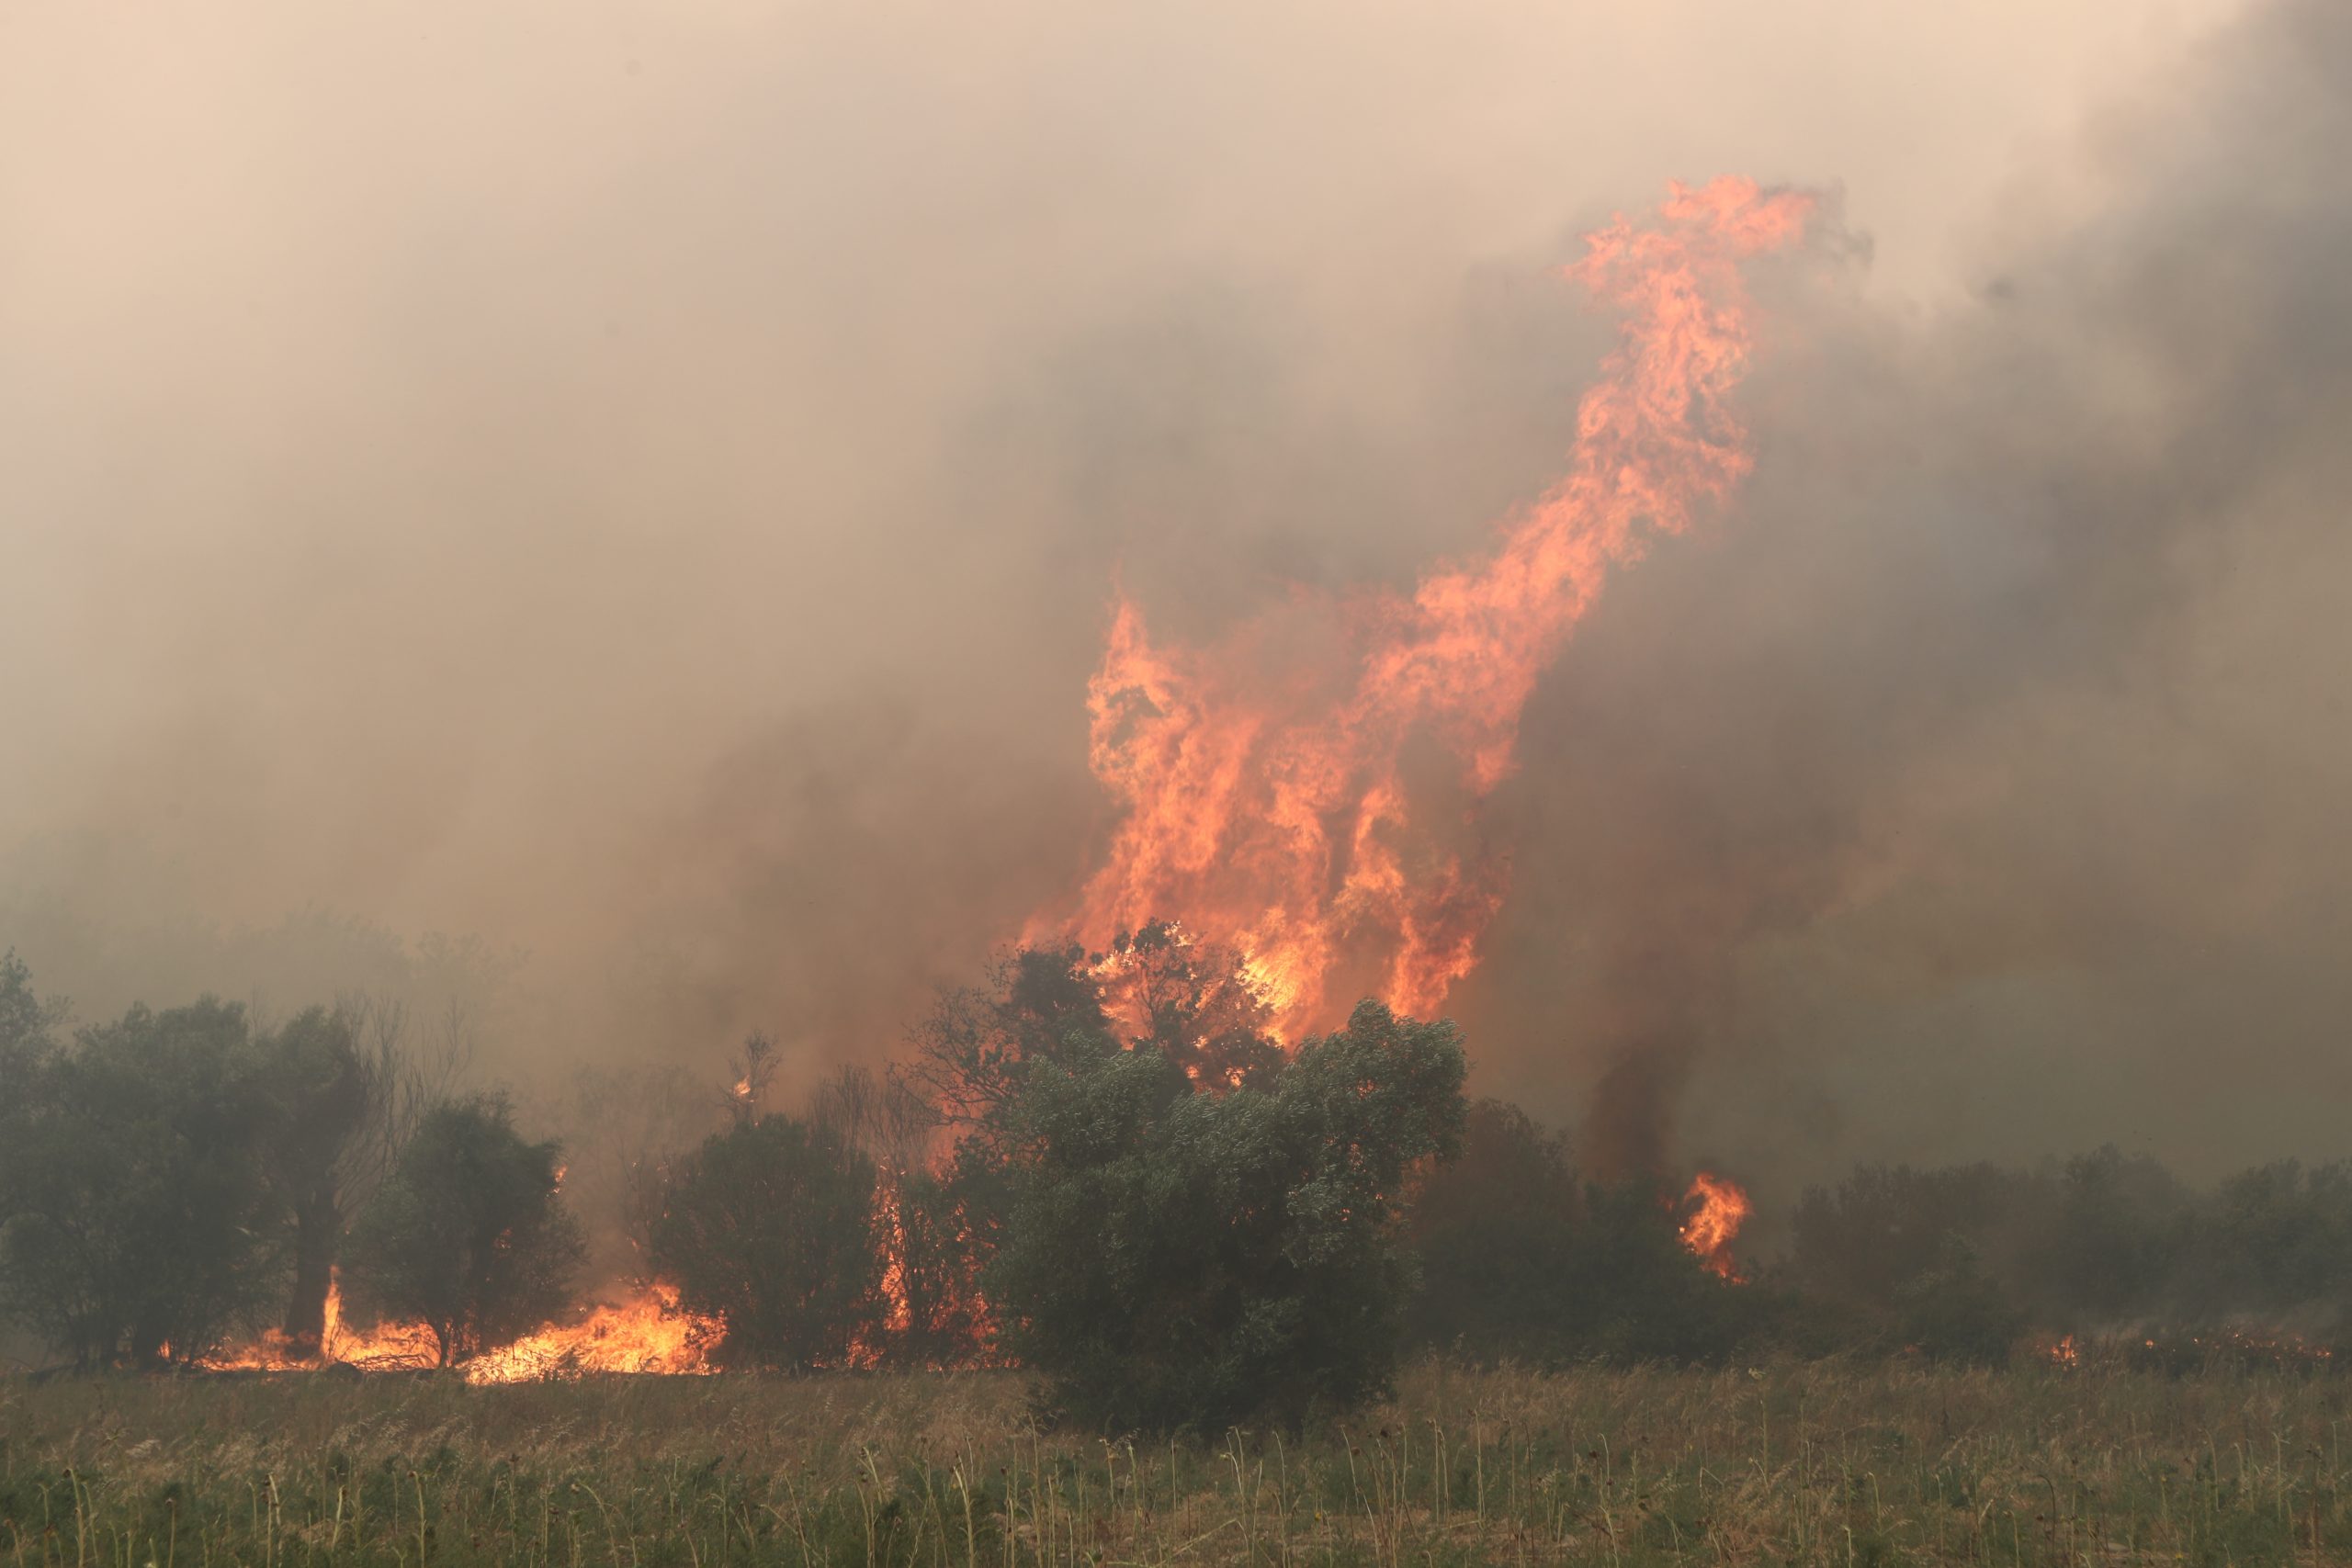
pixel 1719 1207
pixel 648 1333
pixel 1269 805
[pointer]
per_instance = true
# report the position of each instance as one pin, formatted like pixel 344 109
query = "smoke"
pixel 1961 796
pixel 642 487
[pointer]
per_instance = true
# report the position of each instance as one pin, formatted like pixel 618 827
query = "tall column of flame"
pixel 1271 812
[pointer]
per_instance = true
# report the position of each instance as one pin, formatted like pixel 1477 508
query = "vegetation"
pixel 1520 1258
pixel 136 1218
pixel 468 1236
pixel 770 1225
pixel 1179 1257
pixel 1098 1165
pixel 1820 1463
pixel 170 1178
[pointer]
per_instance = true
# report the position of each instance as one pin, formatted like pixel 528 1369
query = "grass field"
pixel 1799 1463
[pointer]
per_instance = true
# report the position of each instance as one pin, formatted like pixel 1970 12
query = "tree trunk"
pixel 318 1225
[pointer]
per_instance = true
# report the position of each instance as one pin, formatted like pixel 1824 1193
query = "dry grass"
pixel 1800 1463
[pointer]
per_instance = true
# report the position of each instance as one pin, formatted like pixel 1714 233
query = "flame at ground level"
pixel 1720 1208
pixel 650 1332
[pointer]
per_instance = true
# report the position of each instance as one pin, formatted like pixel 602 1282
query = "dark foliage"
pixel 1954 1311
pixel 318 1091
pixel 1521 1259
pixel 771 1225
pixel 1177 1257
pixel 135 1222
pixel 468 1236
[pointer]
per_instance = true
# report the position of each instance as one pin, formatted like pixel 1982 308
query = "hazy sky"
pixel 640 483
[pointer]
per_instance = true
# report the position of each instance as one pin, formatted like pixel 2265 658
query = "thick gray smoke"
pixel 640 488
pixel 1967 795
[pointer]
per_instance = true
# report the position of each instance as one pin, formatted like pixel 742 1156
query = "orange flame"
pixel 1720 1208
pixel 650 1333
pixel 1268 805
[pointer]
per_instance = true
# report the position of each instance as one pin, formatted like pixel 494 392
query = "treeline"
pixel 1964 1259
pixel 1098 1165
pixel 173 1179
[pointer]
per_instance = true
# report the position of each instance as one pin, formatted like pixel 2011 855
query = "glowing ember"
pixel 1718 1209
pixel 1268 805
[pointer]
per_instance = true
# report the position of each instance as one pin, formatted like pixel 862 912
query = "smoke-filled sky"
pixel 639 485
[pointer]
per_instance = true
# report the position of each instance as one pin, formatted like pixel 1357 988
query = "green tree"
pixel 1495 1231
pixel 1181 1256
pixel 467 1234
pixel 319 1092
pixel 135 1222
pixel 1956 1311
pixel 769 1225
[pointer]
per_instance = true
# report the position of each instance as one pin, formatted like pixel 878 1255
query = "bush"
pixel 468 1236
pixel 1956 1311
pixel 1495 1233
pixel 1177 1256
pixel 770 1226
pixel 135 1223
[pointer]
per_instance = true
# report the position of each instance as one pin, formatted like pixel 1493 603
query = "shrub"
pixel 468 1236
pixel 770 1226
pixel 135 1223
pixel 1177 1256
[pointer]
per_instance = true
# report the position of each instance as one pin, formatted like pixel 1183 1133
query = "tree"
pixel 467 1234
pixel 28 1040
pixel 1496 1232
pixel 2112 1240
pixel 769 1225
pixel 1181 1256
pixel 1157 990
pixel 317 1089
pixel 135 1223
pixel 27 1023
pixel 345 1089
pixel 1955 1311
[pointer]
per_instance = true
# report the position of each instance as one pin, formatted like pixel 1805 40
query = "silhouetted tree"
pixel 1496 1232
pixel 770 1225
pixel 1955 1311
pixel 316 1088
pixel 137 1221
pixel 345 1089
pixel 2110 1244
pixel 468 1236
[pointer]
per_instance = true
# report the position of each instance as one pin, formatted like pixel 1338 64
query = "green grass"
pixel 1800 1463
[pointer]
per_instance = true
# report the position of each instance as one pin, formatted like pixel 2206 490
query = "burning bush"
pixel 468 1237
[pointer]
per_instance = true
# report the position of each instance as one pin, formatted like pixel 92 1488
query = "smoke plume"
pixel 644 491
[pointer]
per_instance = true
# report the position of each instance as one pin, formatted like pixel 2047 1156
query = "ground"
pixel 1819 1463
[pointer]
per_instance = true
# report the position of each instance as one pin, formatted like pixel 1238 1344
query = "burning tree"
pixel 468 1236
pixel 1271 802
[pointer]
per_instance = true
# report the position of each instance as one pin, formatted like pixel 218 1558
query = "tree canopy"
pixel 469 1235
